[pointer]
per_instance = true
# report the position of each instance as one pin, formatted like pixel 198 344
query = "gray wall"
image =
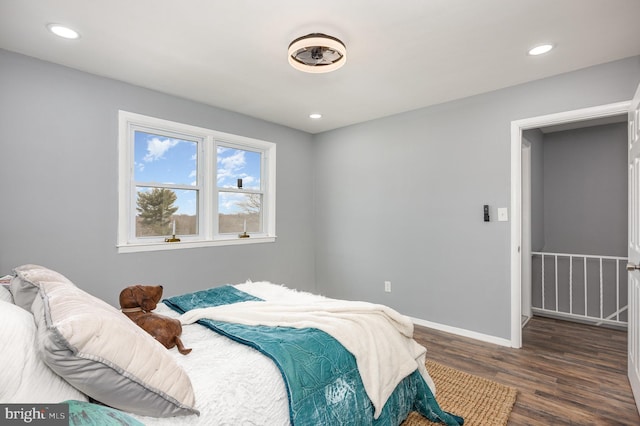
pixel 585 190
pixel 58 186
pixel 400 199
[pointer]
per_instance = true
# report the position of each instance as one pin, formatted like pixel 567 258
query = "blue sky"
pixel 160 159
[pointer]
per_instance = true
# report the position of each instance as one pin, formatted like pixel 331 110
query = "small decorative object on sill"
pixel 244 234
pixel 173 239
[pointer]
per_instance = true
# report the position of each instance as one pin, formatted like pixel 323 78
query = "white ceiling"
pixel 401 55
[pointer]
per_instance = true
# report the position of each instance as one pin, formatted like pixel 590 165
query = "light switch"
pixel 503 214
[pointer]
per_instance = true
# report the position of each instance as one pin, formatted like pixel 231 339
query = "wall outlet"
pixel 387 286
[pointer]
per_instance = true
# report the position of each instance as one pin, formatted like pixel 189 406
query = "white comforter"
pixel 378 337
pixel 237 385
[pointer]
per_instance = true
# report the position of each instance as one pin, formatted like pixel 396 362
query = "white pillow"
pixel 26 283
pixel 5 294
pixel 104 354
pixel 24 377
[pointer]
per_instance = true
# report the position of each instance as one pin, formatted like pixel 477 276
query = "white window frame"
pixel 208 141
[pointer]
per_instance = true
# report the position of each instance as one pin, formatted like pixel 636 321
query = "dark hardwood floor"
pixel 566 373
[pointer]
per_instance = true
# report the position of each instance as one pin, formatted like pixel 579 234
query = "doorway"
pixel 578 222
pixel 521 199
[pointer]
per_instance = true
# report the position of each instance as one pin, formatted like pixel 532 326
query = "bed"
pixel 257 359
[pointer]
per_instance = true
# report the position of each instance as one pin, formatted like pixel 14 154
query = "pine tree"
pixel 155 209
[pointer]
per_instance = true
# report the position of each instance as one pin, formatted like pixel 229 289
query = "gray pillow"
pixel 102 353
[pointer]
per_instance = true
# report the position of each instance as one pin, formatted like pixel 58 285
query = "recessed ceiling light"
pixel 62 31
pixel 315 115
pixel 540 49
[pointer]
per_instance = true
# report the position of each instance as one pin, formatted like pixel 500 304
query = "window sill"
pixel 158 246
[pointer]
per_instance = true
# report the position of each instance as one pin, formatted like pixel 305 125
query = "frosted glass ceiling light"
pixel 541 49
pixel 62 31
pixel 317 53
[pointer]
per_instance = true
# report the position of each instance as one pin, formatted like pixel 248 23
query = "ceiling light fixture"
pixel 317 53
pixel 64 32
pixel 541 49
pixel 315 115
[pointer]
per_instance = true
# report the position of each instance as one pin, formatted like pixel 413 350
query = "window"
pixel 197 185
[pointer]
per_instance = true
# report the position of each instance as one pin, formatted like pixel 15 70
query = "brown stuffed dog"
pixel 138 301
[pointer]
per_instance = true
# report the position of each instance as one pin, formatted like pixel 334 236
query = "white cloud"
pixel 229 202
pixel 156 148
pixel 228 167
pixel 233 162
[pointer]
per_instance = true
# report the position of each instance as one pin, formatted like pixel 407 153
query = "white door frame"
pixel 517 127
pixel 525 242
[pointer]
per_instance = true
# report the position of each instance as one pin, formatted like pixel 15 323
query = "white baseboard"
pixel 462 332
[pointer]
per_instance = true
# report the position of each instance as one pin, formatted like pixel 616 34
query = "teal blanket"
pixel 321 377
